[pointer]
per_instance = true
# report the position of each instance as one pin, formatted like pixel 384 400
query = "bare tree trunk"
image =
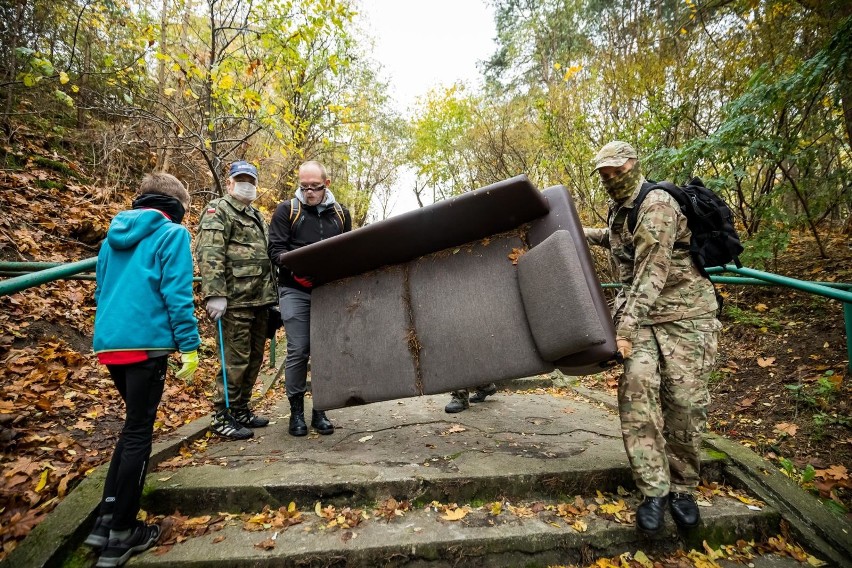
pixel 164 155
pixel 13 65
pixel 87 62
pixel 808 216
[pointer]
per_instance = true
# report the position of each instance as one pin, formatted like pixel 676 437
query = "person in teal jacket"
pixel 145 312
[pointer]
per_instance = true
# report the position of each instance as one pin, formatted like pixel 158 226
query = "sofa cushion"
pixel 359 349
pixel 469 317
pixel 468 217
pixel 562 215
pixel 558 303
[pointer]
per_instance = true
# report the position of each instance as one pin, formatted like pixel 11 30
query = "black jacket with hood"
pixel 316 223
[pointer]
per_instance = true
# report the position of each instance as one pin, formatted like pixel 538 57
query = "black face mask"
pixel 168 205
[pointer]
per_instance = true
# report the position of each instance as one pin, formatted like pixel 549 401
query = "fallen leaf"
pixel 579 526
pixel 766 362
pixel 837 472
pixel 643 559
pixel 218 539
pixel 785 428
pixel 267 544
pixel 760 308
pixel 42 481
pixel 456 428
pixel 455 515
pixel 515 255
pixel 365 438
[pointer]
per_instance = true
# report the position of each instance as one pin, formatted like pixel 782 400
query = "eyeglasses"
pixel 319 187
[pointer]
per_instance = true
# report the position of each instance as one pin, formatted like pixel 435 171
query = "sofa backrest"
pixel 468 217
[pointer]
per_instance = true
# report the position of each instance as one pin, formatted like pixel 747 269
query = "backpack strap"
pixel 338 211
pixel 296 216
pixel 648 187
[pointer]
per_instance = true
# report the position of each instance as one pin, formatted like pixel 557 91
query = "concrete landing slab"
pixel 514 445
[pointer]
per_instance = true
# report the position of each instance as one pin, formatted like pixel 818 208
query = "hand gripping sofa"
pixel 491 285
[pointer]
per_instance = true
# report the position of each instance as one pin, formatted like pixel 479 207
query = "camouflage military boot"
pixel 458 402
pixel 481 393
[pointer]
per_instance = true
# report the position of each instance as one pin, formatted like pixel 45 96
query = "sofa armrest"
pixel 559 306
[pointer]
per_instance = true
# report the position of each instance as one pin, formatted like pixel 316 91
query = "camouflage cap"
pixel 614 154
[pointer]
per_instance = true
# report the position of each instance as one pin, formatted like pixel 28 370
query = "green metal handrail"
pixel 29 274
pixel 24 281
pixel 842 292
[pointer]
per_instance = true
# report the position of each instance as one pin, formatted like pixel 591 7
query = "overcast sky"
pixel 424 43
pixel 421 44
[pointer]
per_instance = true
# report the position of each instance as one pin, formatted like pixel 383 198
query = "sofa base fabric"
pixel 469 316
pixel 359 347
pixel 558 303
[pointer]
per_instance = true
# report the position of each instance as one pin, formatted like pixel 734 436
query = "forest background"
pixel 753 96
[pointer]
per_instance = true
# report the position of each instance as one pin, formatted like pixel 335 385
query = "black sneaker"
pixel 482 393
pixel 457 404
pixel 249 419
pixel 118 550
pixel 100 532
pixel 224 425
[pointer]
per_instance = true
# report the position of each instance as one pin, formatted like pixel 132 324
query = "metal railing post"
pixel 847 316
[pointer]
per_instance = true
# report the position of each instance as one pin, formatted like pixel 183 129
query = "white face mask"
pixel 245 190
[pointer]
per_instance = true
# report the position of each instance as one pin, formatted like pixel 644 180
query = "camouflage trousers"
pixel 663 400
pixel 244 334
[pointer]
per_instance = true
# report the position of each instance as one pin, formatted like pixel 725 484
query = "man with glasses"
pixel 313 215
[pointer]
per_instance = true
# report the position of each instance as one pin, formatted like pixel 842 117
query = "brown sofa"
pixel 494 284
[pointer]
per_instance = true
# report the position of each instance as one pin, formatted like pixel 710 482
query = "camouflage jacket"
pixel 661 282
pixel 230 250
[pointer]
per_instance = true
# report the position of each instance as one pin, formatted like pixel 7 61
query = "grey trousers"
pixel 296 314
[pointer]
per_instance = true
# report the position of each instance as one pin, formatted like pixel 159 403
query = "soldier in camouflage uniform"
pixel 667 333
pixel 238 287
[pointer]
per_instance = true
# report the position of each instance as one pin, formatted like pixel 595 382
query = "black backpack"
pixel 714 239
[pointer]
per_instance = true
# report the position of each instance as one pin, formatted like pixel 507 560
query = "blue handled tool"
pixel 222 359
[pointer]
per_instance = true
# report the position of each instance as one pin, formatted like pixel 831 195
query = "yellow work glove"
pixel 190 365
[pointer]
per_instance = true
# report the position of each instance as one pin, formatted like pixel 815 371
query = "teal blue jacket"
pixel 144 286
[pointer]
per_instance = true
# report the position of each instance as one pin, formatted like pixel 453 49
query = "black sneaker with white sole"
pixel 100 532
pixel 226 426
pixel 119 550
pixel 249 419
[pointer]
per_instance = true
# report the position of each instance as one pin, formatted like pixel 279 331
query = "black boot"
pixel 321 423
pixel 650 514
pixel 297 415
pixel 684 510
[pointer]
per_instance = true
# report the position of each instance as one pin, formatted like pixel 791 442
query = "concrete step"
pixel 423 538
pixel 514 446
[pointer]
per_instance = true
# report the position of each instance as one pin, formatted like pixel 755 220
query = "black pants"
pixel 141 388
